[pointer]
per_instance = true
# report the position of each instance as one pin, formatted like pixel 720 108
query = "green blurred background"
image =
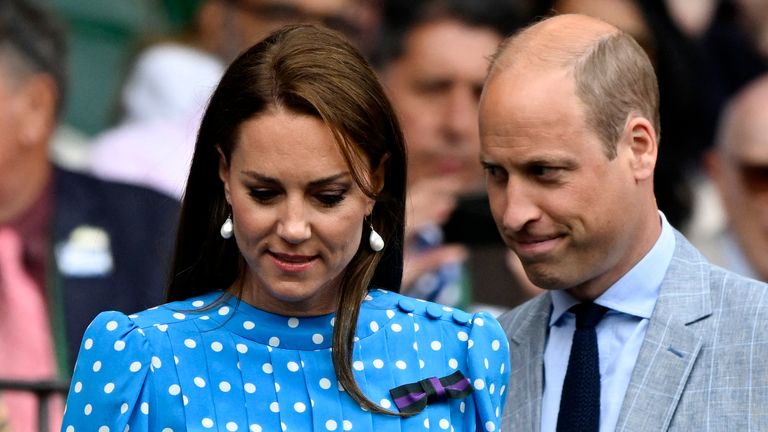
pixel 105 35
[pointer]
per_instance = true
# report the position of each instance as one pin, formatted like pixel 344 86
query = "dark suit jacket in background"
pixel 141 226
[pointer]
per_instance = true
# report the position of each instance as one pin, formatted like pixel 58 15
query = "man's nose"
pixel 521 207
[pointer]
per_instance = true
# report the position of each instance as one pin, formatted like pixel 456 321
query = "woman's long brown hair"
pixel 313 71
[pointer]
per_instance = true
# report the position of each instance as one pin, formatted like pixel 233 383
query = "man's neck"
pixel 21 187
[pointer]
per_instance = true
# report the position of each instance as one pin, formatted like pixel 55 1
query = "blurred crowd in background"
pixel 140 73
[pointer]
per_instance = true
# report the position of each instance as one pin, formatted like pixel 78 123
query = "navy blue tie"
pixel 580 400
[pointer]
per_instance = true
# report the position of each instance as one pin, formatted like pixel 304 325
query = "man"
pixel 70 246
pixel 435 92
pixel 569 133
pixel 738 166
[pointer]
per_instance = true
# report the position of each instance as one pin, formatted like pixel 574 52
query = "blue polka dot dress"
pixel 237 368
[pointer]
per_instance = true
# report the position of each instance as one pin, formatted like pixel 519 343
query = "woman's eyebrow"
pixel 271 180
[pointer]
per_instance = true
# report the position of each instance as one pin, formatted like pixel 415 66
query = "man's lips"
pixel 292 262
pixel 532 245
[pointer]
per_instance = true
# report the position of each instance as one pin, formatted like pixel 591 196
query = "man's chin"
pixel 546 280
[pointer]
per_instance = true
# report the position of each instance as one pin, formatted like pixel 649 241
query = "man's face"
pixel 741 175
pixel 249 21
pixel 27 107
pixel 9 114
pixel 565 209
pixel 435 86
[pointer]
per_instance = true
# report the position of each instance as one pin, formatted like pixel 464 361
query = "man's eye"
pixel 433 88
pixel 263 195
pixel 545 172
pixel 492 171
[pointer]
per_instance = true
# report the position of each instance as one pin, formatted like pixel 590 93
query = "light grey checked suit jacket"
pixel 703 365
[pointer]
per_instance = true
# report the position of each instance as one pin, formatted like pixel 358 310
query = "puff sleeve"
pixel 108 385
pixel 488 363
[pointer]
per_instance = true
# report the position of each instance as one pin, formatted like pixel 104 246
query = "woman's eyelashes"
pixel 331 199
pixel 263 195
pixel 325 198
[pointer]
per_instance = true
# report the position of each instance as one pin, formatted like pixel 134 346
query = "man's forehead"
pixel 749 136
pixel 512 100
pixel 320 7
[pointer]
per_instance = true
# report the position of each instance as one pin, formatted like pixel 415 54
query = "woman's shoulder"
pixel 433 328
pixel 133 330
pixel 168 313
pixel 380 299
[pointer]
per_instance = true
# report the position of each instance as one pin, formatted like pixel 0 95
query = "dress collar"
pixel 299 333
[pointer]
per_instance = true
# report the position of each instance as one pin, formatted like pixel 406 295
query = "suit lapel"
pixel 669 349
pixel 527 330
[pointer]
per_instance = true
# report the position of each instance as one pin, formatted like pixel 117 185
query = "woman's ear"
pixel 379 174
pixel 643 146
pixel 377 181
pixel 224 172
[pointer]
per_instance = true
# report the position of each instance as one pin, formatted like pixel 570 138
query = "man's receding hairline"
pixel 528 45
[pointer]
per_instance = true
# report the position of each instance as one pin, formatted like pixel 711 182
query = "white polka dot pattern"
pixel 205 366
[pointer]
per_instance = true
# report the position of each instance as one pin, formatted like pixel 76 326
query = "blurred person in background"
pixel 726 37
pixel 167 89
pixel 70 245
pixel 738 166
pixel 754 17
pixel 432 58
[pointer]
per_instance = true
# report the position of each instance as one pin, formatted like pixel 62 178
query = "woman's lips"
pixel 291 263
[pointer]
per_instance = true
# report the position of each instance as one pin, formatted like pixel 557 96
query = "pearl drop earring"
pixel 375 240
pixel 227 228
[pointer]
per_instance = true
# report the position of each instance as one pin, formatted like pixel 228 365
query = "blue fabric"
pixel 620 334
pixel 238 368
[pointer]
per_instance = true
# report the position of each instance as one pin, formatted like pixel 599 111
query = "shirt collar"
pixel 636 292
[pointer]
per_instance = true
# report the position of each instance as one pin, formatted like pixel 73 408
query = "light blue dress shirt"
pixel 619 335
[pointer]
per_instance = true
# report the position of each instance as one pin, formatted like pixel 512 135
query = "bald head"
pixel 744 125
pixel 612 74
pixel 555 42
pixel 739 168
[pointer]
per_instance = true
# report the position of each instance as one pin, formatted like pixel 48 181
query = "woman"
pixel 295 194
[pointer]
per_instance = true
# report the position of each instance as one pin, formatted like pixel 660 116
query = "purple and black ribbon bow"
pixel 414 397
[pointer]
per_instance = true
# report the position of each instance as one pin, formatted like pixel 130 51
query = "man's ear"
pixel 224 172
pixel 37 110
pixel 713 166
pixel 643 145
